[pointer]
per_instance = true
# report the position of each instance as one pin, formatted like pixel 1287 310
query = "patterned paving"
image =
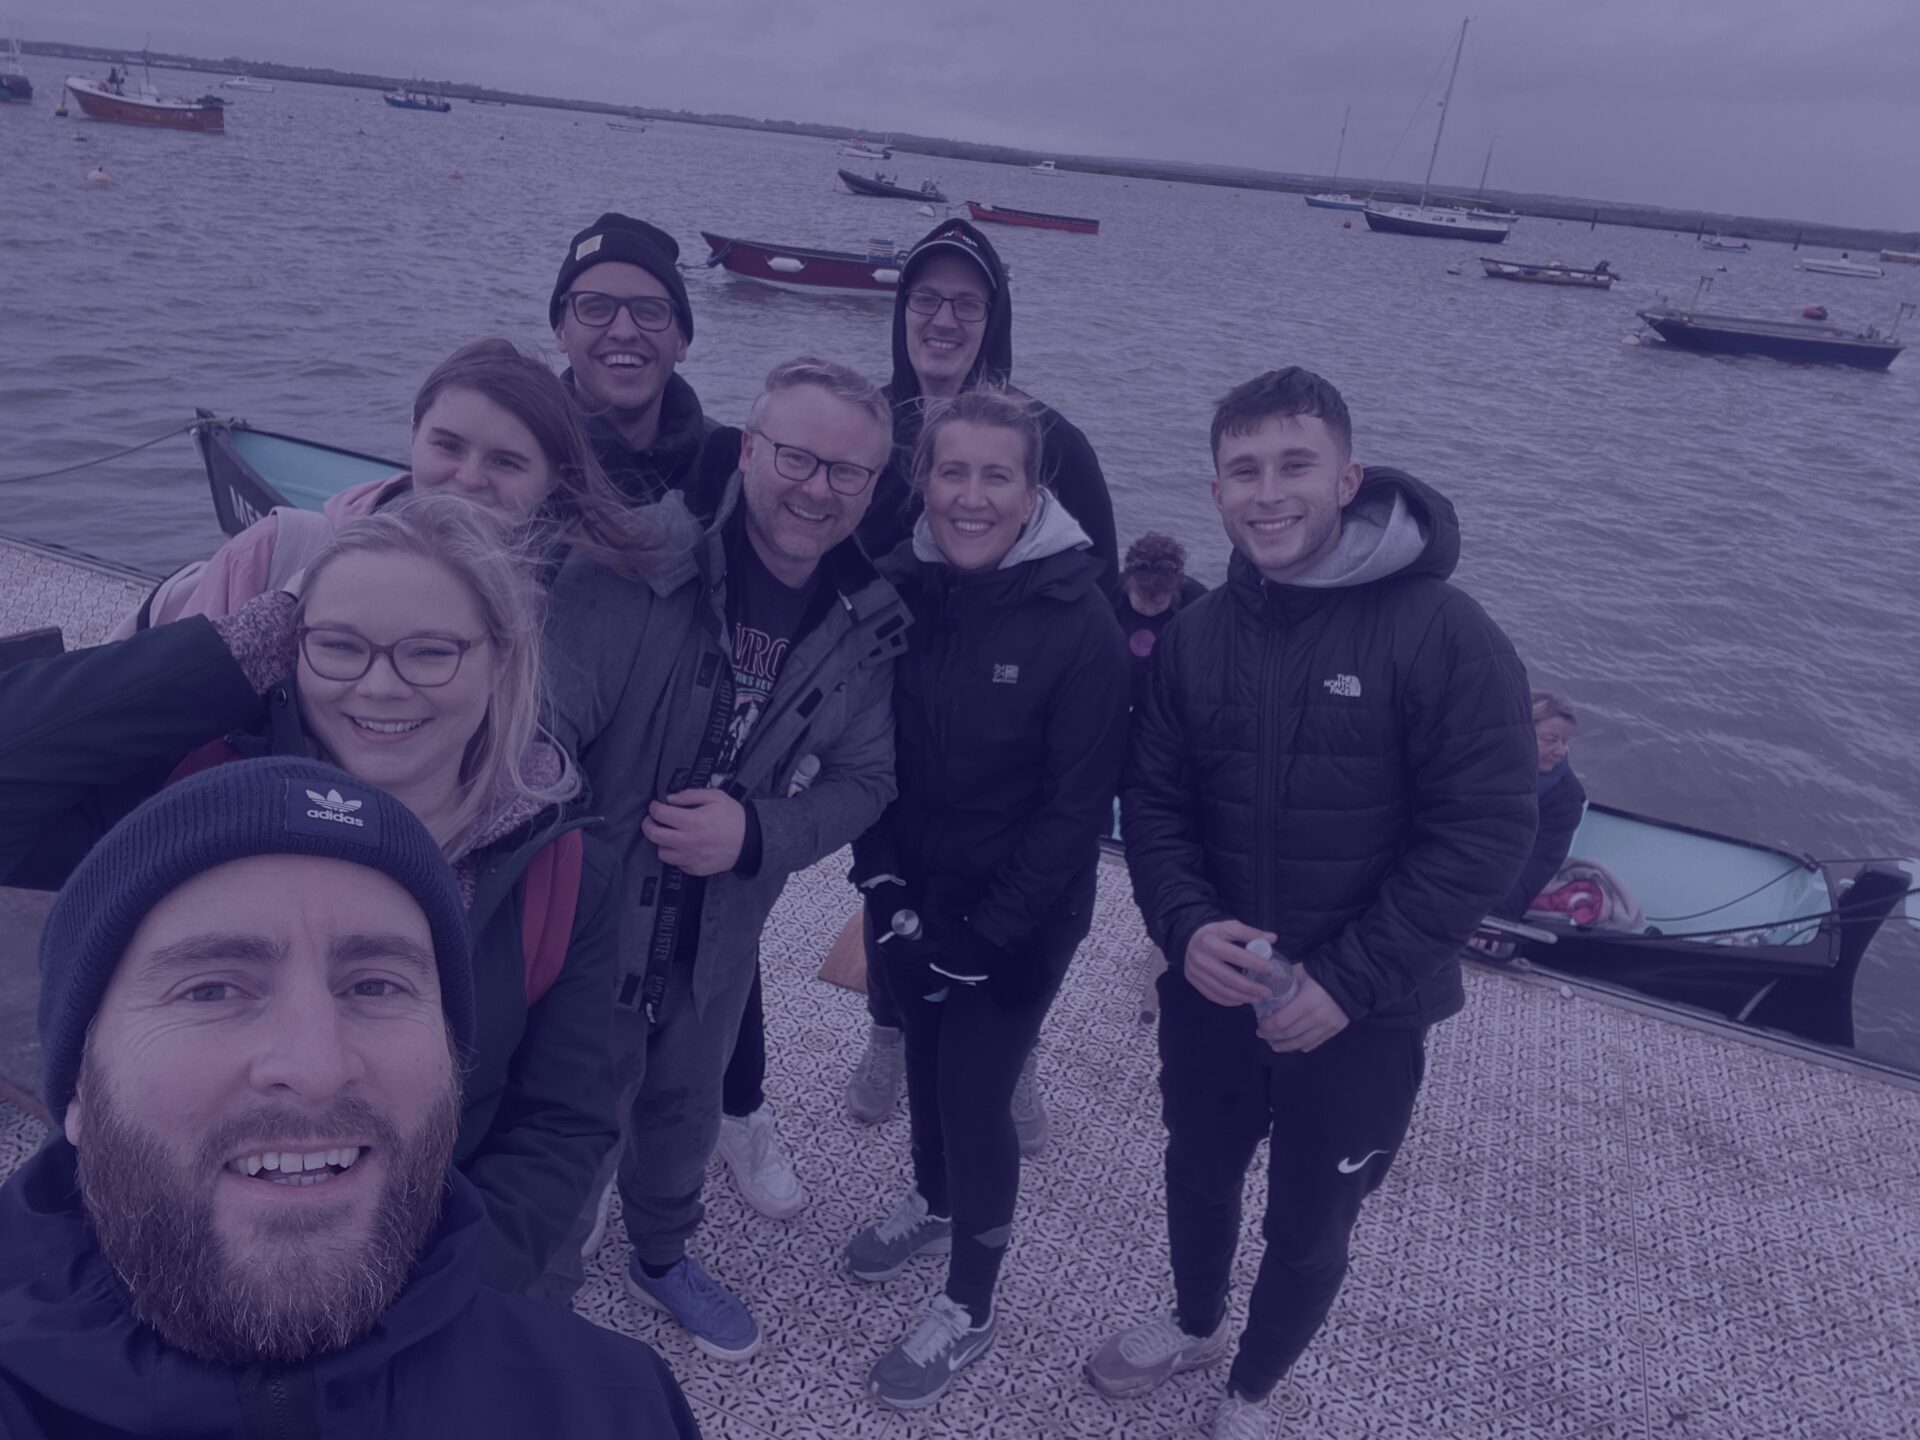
pixel 1603 1225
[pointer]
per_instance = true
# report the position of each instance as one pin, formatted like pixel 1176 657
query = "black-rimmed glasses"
pixel 596 311
pixel 790 462
pixel 423 661
pixel 968 309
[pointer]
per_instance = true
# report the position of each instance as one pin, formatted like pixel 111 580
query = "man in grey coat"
pixel 732 709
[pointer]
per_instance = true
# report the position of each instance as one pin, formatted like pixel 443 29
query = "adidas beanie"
pixel 278 806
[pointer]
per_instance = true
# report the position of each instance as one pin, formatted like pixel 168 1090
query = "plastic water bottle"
pixel 1283 981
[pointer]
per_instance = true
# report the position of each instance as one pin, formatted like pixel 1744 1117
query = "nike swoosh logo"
pixel 1347 1167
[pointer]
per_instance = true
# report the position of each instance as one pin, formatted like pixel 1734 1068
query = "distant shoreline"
pixel 1548 207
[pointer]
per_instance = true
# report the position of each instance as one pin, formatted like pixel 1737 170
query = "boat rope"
pixel 1783 875
pixel 720 255
pixel 103 459
pixel 1836 913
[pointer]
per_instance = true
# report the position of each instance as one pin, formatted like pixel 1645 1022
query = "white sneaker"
pixel 759 1165
pixel 1238 1419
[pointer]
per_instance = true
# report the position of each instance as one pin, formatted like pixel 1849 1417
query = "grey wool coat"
pixel 632 664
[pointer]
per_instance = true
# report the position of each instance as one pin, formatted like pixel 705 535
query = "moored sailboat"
pixel 1437 221
pixel 1336 198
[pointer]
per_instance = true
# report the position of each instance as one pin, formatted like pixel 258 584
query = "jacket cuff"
pixel 1320 968
pixel 751 845
pixel 259 636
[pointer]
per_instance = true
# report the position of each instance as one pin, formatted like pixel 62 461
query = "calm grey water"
pixel 1714 558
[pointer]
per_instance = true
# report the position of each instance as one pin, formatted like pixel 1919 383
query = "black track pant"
pixel 1336 1117
pixel 964 1054
pixel 743 1088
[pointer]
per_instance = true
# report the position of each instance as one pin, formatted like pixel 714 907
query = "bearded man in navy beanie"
pixel 255 996
pixel 620 314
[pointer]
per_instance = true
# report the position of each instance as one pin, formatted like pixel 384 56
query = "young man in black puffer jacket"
pixel 1335 756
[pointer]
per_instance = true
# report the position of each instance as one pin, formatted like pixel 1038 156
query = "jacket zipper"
pixel 282 1419
pixel 1268 723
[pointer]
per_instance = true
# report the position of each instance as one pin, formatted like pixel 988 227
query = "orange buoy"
pixel 1815 312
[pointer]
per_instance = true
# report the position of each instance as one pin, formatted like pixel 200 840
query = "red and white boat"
pixel 821 272
pixel 110 100
pixel 1037 219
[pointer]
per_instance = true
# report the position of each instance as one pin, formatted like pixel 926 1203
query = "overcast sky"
pixel 1800 108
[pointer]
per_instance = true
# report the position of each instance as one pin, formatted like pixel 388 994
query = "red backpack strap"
pixel 214 752
pixel 550 896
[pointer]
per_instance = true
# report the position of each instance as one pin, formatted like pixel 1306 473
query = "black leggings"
pixel 1336 1117
pixel 743 1088
pixel 964 1054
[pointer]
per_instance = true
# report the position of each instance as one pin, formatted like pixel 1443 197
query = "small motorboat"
pixel 1749 932
pixel 1842 266
pixel 247 82
pixel 882 187
pixel 1901 257
pixel 860 149
pixel 1334 201
pixel 1600 277
pixel 110 100
pixel 818 272
pixel 1044 167
pixel 1036 219
pixel 251 471
pixel 416 100
pixel 1813 343
pixel 1730 247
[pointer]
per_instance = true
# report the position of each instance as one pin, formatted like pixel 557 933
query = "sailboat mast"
pixel 1447 99
pixel 1341 149
pixel 1485 168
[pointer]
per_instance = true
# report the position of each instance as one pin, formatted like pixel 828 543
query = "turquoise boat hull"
pixel 251 471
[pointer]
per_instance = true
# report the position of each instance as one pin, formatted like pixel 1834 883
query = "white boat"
pixel 1438 221
pixel 1044 167
pixel 1337 199
pixel 866 150
pixel 1839 267
pixel 1901 257
pixel 1481 211
pixel 247 82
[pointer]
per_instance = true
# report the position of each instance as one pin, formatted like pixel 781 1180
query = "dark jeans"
pixel 880 1007
pixel 964 1053
pixel 1335 1117
pixel 743 1087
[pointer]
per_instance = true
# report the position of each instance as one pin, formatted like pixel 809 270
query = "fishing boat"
pixel 1842 266
pixel 1730 247
pixel 818 272
pixel 1437 221
pixel 866 150
pixel 252 471
pixel 1811 342
pixel 15 87
pixel 417 100
pixel 1600 277
pixel 1749 932
pixel 1901 257
pixel 1044 167
pixel 109 100
pixel 880 187
pixel 1336 198
pixel 247 82
pixel 1037 219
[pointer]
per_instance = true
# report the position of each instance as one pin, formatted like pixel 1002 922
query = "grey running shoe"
pixel 1135 1361
pixel 874 1088
pixel 1238 1419
pixel 917 1371
pixel 1029 1110
pixel 882 1251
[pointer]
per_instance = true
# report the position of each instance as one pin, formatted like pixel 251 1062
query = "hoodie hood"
pixel 1050 530
pixel 1394 525
pixel 357 501
pixel 71 1340
pixel 995 359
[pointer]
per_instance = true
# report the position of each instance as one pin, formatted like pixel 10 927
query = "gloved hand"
pixel 887 896
pixel 1014 977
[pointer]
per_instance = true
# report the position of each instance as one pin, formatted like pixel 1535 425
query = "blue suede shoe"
pixel 712 1314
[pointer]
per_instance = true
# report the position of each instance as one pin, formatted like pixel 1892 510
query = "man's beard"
pixel 154 1219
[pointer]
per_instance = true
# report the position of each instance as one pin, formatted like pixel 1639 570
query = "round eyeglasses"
pixel 596 311
pixel 790 462
pixel 968 309
pixel 423 661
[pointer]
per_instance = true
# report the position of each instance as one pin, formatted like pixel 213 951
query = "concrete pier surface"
pixel 1604 1224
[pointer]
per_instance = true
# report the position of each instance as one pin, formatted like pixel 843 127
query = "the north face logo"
pixel 1006 674
pixel 1344 685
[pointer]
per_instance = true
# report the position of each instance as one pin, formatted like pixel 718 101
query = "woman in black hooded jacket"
pixel 1010 711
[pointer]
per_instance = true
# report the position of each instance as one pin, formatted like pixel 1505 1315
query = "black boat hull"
pixel 881 190
pixel 1402 225
pixel 1811 349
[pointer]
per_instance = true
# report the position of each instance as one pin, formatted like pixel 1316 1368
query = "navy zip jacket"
pixel 1349 765
pixel 1069 468
pixel 449 1358
pixel 86 736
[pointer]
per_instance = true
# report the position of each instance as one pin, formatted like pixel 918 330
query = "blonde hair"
pixel 467 540
pixel 1549 706
pixel 985 404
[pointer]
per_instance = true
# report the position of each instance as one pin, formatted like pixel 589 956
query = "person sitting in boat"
pixel 411 660
pixel 490 425
pixel 952 330
pixel 1563 800
pixel 620 315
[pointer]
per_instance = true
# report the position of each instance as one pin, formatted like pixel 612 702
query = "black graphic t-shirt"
pixel 1143 631
pixel 767 618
